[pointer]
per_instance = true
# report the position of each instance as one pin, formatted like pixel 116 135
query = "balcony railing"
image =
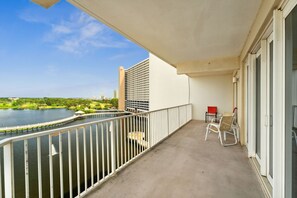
pixel 71 161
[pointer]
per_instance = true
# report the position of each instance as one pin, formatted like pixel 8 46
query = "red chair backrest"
pixel 212 109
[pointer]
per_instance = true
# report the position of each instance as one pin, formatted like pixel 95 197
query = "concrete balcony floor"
pixel 184 165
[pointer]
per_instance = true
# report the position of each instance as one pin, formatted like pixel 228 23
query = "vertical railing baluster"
pixel 107 137
pixel 186 112
pixel 70 164
pixel 141 133
pixel 121 135
pixel 154 121
pixel 77 162
pixel 8 170
pixel 1 190
pixel 39 167
pixel 147 130
pixel 112 145
pixel 168 131
pixel 116 131
pixel 61 166
pixel 134 130
pixel 125 138
pixel 129 138
pixel 97 153
pixel 178 117
pixel 152 128
pixel 138 134
pixel 149 135
pixel 131 135
pixel 144 133
pixel 51 166
pixel 26 164
pixel 92 159
pixel 85 158
pixel 103 155
pixel 135 134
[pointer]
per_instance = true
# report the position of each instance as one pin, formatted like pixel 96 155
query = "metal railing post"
pixel 8 170
pixel 168 122
pixel 112 144
pixel 178 117
pixel 149 130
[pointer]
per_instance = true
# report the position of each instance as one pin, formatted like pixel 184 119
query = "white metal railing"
pixel 71 161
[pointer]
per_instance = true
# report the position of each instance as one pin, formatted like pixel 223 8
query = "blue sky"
pixel 59 52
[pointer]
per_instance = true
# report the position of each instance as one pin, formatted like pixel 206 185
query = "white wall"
pixel 211 91
pixel 167 89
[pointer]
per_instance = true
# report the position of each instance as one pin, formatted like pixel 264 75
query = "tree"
pixel 114 102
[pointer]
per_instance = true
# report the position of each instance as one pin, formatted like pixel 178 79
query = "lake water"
pixel 24 117
pixel 21 117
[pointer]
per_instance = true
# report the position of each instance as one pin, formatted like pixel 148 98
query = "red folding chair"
pixel 212 111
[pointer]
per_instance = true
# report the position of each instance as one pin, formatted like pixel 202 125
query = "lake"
pixel 23 117
pixel 12 117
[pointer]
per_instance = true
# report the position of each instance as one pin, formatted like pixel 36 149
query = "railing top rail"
pixel 66 129
pixel 168 108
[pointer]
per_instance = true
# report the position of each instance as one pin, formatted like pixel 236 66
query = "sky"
pixel 59 52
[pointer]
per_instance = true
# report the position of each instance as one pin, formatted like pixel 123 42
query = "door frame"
pixel 259 53
pixel 268 115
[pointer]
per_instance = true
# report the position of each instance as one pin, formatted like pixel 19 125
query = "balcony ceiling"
pixel 183 33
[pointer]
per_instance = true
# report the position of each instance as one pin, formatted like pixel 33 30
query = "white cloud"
pixel 81 34
pixel 61 29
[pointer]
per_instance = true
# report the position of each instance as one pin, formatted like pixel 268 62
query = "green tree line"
pixel 51 103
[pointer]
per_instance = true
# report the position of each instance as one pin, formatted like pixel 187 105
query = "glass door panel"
pixel 270 102
pixel 258 106
pixel 291 100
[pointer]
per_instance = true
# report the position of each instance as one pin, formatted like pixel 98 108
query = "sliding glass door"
pixel 258 105
pixel 291 102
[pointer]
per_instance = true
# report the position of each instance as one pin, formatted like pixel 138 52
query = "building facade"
pixel 150 85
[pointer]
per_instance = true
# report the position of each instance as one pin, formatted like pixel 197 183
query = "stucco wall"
pixel 211 91
pixel 167 89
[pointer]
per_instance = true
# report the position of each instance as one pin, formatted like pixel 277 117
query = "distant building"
pixel 151 84
pixel 115 94
pixel 102 97
pixel 13 98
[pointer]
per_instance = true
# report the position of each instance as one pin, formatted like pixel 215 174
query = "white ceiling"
pixel 179 31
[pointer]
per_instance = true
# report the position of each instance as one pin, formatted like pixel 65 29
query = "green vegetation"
pixel 86 105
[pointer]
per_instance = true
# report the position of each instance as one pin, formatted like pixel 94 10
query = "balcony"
pixel 184 165
pixel 166 157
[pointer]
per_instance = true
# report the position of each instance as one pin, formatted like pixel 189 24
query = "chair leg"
pixel 206 133
pixel 235 138
pixel 220 137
